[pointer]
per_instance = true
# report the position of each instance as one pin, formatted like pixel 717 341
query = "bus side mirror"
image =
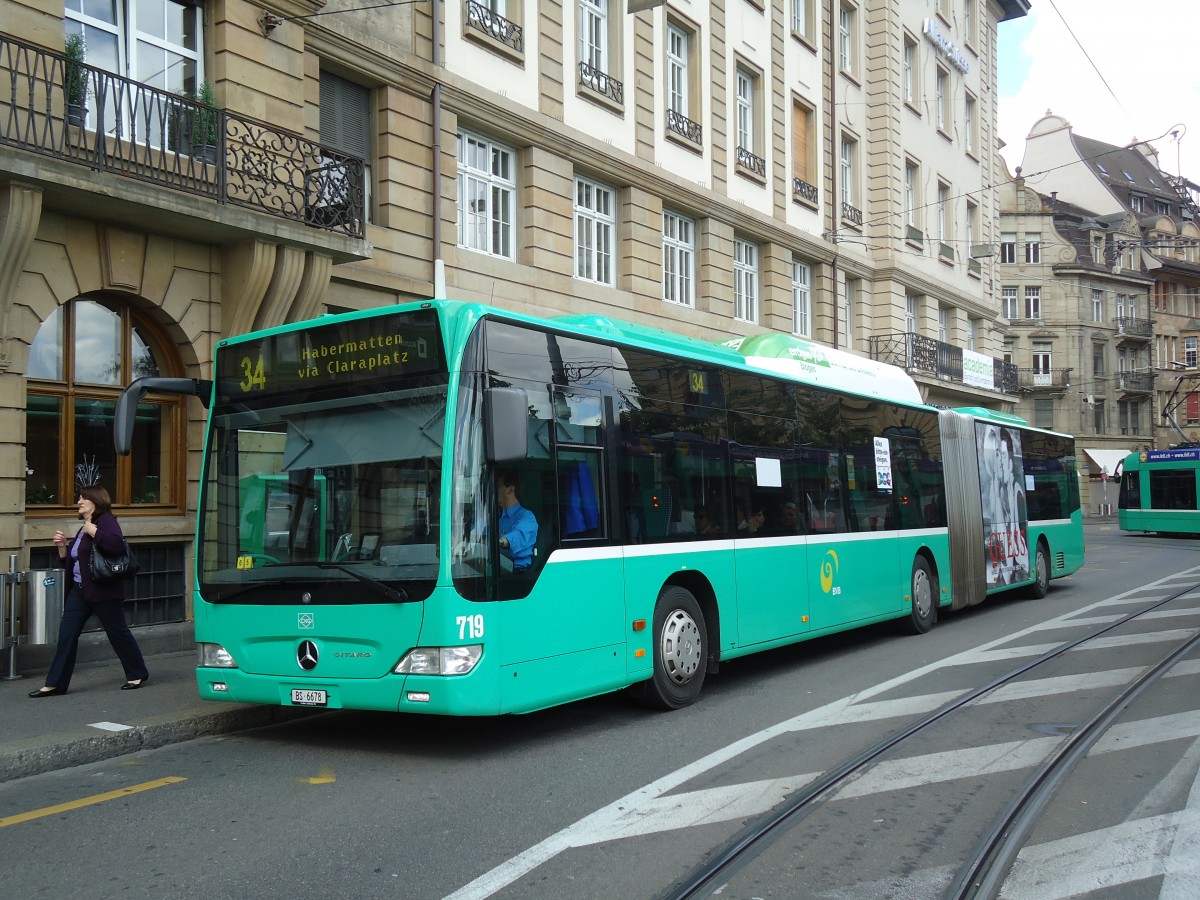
pixel 125 414
pixel 506 415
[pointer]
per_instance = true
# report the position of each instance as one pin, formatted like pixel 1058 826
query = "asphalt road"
pixel 595 799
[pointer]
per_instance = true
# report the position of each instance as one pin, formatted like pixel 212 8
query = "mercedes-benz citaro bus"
pixel 691 502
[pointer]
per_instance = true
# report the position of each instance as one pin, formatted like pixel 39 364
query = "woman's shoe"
pixel 46 692
pixel 134 685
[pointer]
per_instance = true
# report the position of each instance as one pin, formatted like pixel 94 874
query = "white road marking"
pixel 616 816
pixel 109 726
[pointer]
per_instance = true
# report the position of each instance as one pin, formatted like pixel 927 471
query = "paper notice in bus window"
pixel 767 472
pixel 883 465
pixel 1029 483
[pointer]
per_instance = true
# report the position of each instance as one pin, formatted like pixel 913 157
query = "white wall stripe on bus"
pixel 578 834
pixel 689 547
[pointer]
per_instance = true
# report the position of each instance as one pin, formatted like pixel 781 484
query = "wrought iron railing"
pixel 928 356
pixel 802 190
pixel 131 129
pixel 751 162
pixel 494 26
pixel 1135 382
pixel 851 213
pixel 685 127
pixel 1039 379
pixel 1135 327
pixel 601 83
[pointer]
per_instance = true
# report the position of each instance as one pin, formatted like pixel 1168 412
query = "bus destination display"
pixel 356 352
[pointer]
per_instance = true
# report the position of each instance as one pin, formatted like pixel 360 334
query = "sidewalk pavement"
pixel 96 720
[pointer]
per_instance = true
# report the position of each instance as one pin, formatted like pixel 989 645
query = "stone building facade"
pixel 716 169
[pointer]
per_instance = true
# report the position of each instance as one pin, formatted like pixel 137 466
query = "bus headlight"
pixel 214 656
pixel 439 660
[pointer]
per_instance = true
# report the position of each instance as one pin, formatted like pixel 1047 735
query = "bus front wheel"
pixel 680 650
pixel 1041 572
pixel 921 616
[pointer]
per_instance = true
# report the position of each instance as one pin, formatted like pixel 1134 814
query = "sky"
pixel 1148 82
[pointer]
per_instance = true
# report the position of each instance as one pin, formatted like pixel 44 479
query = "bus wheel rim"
pixel 922 593
pixel 680 648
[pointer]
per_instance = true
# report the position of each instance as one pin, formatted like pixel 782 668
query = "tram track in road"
pixel 991 859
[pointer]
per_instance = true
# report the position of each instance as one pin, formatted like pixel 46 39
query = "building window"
pixel 848 38
pixel 848 158
pixel 595 229
pixel 969 21
pixel 972 222
pixel 944 324
pixel 802 18
pixel 912 195
pixel 1008 248
pixel 803 147
pixel 1098 359
pixel 1097 305
pixel 801 298
pixel 1189 352
pixel 972 331
pixel 1098 417
pixel 970 125
pixel 597 62
pixel 1043 412
pixel 1041 360
pixel 1129 416
pixel 745 281
pixel 912 313
pixel 679 253
pixel 1033 248
pixel 1098 249
pixel 1008 300
pixel 1137 203
pixel 154 42
pixel 345 127
pixel 682 87
pixel 910 70
pixel 82 358
pixel 1033 302
pixel 945 213
pixel 487 196
pixel 941 90
pixel 745 110
pixel 1161 207
pixel 849 298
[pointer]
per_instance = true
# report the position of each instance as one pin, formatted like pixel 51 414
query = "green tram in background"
pixel 1159 491
pixel 695 503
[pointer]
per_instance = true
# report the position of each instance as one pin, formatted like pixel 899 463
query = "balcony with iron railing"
pixel 1038 379
pixel 601 83
pixel 1130 327
pixel 1135 382
pixel 162 140
pixel 751 162
pixel 679 124
pixel 488 23
pixel 802 190
pixel 921 355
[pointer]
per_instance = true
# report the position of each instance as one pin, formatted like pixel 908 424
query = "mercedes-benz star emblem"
pixel 307 655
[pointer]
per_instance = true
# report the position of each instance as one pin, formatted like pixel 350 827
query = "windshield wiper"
pixel 398 594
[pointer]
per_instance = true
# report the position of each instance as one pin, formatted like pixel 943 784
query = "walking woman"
pixel 85 598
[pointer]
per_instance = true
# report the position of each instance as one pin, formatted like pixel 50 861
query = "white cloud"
pixel 1145 51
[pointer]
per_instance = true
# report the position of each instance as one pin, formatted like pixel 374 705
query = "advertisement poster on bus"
pixel 1005 516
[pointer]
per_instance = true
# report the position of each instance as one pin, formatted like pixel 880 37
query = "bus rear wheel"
pixel 921 616
pixel 1041 572
pixel 680 650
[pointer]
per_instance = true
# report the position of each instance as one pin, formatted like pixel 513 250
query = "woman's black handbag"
pixel 114 568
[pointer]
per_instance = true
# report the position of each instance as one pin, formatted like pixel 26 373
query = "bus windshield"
pixel 324 460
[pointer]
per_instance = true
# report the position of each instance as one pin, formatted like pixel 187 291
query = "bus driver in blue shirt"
pixel 518 525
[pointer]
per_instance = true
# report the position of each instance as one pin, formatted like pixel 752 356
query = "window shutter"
pixel 345 116
pixel 800 142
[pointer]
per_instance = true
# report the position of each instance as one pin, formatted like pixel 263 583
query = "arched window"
pixel 81 359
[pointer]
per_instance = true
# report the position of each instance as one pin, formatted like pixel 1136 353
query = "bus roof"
pixel 827 367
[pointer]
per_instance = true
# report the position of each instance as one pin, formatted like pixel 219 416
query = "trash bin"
pixel 44 593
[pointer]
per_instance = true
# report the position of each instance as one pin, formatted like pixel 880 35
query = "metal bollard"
pixel 8 597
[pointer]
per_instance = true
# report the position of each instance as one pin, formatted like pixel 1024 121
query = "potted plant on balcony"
pixel 75 78
pixel 204 124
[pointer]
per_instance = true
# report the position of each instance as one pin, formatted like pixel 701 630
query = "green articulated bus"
pixel 1159 491
pixel 444 507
